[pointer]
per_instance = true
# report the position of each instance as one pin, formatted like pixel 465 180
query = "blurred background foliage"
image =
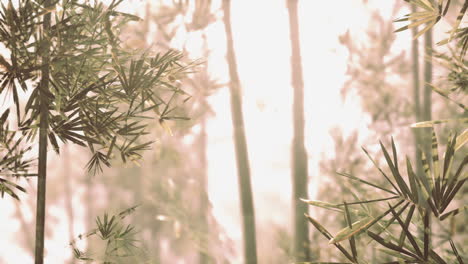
pixel 174 220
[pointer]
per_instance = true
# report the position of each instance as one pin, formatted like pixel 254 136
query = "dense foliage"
pixel 413 221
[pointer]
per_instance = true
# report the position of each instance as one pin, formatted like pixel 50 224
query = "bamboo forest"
pixel 233 131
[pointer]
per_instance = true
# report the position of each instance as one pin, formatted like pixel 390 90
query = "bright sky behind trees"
pixel 261 40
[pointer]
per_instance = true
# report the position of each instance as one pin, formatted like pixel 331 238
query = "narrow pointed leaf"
pixel 412 180
pixel 365 182
pixel 390 245
pixel 356 228
pixel 452 213
pixel 352 242
pixel 327 235
pixel 455 251
pixel 394 168
pixel 386 177
pixel 407 223
pixel 461 139
pixel 441 121
pixel 324 205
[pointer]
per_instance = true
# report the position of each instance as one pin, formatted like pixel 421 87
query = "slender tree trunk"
pixel 427 113
pixel 299 154
pixel 416 96
pixel 68 193
pixel 243 170
pixel 43 130
pixel 203 255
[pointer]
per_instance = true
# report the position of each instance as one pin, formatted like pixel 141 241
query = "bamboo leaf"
pixel 327 235
pixel 394 168
pixel 324 205
pixel 365 182
pixel 436 169
pixel 398 255
pixel 461 139
pixel 446 94
pixel 412 179
pixel 429 26
pixel 390 245
pixel 427 172
pixel 435 122
pixel 407 223
pixel 375 164
pixel 356 228
pixel 452 213
pixel 424 4
pixel 455 251
pixel 319 227
pixel 448 160
pixel 372 201
pixel 459 19
pixel 352 242
pixel 454 184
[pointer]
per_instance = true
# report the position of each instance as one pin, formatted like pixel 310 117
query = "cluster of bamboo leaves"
pixel 117 238
pixel 418 196
pixel 431 13
pixel 100 95
pixel 402 227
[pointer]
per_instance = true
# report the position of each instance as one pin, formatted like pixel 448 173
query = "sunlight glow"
pixel 261 38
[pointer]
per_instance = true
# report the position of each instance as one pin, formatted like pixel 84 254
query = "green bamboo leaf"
pixel 372 201
pixel 407 223
pixel 394 168
pixel 365 182
pixel 413 181
pixel 5 188
pixel 454 184
pixel 435 122
pixel 446 94
pixel 401 29
pixel 390 245
pixel 429 26
pixel 448 159
pixel 459 19
pixel 436 168
pixel 424 4
pixel 451 195
pixel 352 242
pixel 438 259
pixel 319 227
pixel 453 212
pixel 53 141
pixel 381 171
pixel 395 156
pixel 455 251
pixel 356 228
pixel 111 147
pixel 388 223
pixel 327 235
pixel 446 8
pixel 418 15
pixel 422 21
pixel 427 172
pixel 324 205
pixel 397 254
pixel 461 139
